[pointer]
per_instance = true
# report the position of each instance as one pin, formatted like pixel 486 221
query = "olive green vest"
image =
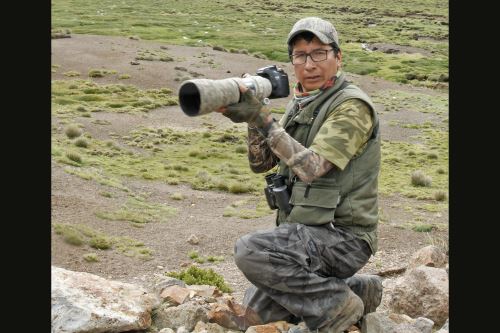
pixel 347 198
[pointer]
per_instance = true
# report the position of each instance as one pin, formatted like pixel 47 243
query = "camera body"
pixel 277 193
pixel 201 96
pixel 278 79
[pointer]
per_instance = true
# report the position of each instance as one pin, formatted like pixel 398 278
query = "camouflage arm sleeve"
pixel 260 156
pixel 305 163
pixel 344 133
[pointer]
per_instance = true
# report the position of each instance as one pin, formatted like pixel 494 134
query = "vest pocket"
pixel 315 207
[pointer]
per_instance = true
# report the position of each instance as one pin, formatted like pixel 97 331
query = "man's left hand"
pixel 249 110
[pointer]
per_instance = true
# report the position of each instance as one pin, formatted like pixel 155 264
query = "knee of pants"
pixel 240 252
pixel 245 256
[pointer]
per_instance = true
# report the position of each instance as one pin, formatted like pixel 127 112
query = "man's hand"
pixel 249 110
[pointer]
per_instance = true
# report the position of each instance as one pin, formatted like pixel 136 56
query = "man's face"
pixel 312 75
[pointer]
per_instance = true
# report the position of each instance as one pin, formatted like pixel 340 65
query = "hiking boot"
pixel 368 288
pixel 343 316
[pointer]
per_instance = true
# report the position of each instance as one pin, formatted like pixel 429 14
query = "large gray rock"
pixel 395 323
pixel 421 292
pixel 185 315
pixel 430 256
pixel 87 303
pixel 444 328
pixel 378 323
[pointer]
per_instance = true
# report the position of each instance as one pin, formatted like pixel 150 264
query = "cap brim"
pixel 323 38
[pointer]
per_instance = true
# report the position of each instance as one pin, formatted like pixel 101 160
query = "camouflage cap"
pixel 324 30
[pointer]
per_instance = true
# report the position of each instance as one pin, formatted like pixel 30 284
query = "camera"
pixel 201 96
pixel 277 193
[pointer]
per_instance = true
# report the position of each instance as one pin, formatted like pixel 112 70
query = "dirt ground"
pixel 75 200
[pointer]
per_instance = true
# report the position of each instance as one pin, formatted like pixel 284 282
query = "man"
pixel 327 148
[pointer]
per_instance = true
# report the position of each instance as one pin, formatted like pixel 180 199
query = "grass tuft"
pixel 74 157
pixel 423 227
pixel 418 178
pixel 82 143
pixel 91 257
pixel 73 131
pixel 177 196
pixel 440 195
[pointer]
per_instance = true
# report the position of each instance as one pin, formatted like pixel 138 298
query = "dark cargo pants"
pixel 297 270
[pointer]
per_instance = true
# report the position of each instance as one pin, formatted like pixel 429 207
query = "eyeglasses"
pixel 316 56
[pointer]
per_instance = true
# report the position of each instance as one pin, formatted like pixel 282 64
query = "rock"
pixel 84 302
pixel 175 294
pixel 430 256
pixel 162 281
pixel 204 290
pixel 424 325
pixel 281 325
pixel 421 292
pixel 187 315
pixel 193 240
pixel 395 323
pixel 182 329
pixel 267 328
pixel 202 327
pixel 444 328
pixel 233 316
pixel 166 330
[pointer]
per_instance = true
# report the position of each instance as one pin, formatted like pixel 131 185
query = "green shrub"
pixel 91 257
pixel 241 149
pixel 74 157
pixel 196 275
pixel 177 196
pixel 72 237
pixel 96 73
pixel 193 255
pixel 81 143
pixel 71 74
pixel 440 195
pixel 73 131
pixel 239 188
pixel 99 242
pixel 423 228
pixel 418 178
pixel 432 156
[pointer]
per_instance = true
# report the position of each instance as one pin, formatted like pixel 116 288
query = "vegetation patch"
pixel 401 161
pixel 194 255
pixel 139 211
pixel 251 208
pixel 111 97
pixel 195 275
pixel 153 55
pixel 91 257
pixel 73 131
pixel 396 100
pixel 100 72
pixel 423 227
pixel 71 73
pixel 177 196
pixel 77 234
